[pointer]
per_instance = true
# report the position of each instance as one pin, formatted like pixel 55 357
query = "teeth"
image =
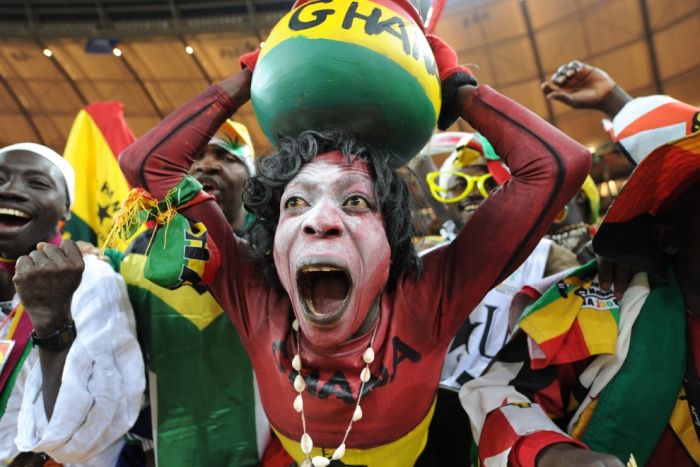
pixel 320 269
pixel 15 213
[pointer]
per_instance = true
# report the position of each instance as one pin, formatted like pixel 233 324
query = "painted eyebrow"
pixel 310 184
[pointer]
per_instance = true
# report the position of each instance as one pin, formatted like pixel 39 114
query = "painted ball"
pixel 361 66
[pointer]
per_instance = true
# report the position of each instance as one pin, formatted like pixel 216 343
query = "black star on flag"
pixel 103 212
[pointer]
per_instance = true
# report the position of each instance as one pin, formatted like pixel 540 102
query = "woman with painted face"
pixel 346 328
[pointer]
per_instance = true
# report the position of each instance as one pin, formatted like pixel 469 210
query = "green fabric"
pixel 395 114
pixel 632 411
pixel 489 151
pixel 205 394
pixel 166 257
pixel 10 384
pixel 77 229
pixel 168 263
pixel 115 257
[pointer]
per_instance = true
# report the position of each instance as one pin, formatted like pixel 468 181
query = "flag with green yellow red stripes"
pixel 204 405
pixel 573 320
pixel 98 135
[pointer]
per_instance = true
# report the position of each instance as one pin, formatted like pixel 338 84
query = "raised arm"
pixel 582 86
pixel 159 159
pixel 547 169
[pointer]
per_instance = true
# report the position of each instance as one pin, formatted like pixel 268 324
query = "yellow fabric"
pixel 554 319
pixel 100 186
pixel 400 453
pixel 200 309
pixel 680 423
pixel 387 44
pixel 582 422
pixel 237 131
pixel 15 321
pixel 682 426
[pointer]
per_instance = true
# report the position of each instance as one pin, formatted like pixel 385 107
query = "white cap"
pixel 52 156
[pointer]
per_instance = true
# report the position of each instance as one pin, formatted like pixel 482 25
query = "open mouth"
pixel 210 186
pixel 324 291
pixel 470 208
pixel 13 218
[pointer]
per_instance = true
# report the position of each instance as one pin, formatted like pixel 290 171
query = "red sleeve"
pixel 526 449
pixel 547 169
pixel 157 162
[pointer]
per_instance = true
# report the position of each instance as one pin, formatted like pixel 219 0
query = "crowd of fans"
pixel 304 326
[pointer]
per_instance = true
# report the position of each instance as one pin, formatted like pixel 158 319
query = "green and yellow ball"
pixel 361 66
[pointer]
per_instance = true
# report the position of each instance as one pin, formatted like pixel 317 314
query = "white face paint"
pixel 331 251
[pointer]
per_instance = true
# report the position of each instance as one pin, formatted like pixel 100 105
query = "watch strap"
pixel 59 340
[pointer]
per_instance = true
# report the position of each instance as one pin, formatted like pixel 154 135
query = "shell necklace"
pixel 306 442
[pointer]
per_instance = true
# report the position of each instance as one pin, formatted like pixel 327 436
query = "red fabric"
pixel 497 433
pixel 275 455
pixel 213 264
pixel 525 451
pixel 664 115
pixel 250 59
pixel 446 58
pixel 661 177
pixel 669 450
pixel 109 118
pixel 21 338
pixel 499 171
pixel 417 320
pixel 564 348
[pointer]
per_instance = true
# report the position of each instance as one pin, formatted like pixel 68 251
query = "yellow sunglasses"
pixel 484 183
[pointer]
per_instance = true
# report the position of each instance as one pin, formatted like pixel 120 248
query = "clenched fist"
pixel 45 280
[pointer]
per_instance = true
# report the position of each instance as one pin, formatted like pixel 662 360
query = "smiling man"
pixel 82 323
pixel 346 340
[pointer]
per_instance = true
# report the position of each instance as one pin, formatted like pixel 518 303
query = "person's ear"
pixel 666 237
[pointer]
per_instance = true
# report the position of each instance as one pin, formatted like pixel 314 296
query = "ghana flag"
pixel 204 404
pixel 98 135
pixel 574 319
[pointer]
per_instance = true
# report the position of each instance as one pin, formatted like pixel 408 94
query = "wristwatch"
pixel 59 340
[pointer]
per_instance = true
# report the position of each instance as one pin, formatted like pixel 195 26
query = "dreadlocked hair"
pixel 262 194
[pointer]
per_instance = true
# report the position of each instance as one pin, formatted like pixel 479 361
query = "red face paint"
pixel 331 251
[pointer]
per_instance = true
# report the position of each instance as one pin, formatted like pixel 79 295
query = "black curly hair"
pixel 262 194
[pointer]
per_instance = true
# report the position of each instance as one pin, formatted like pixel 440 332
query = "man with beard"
pixel 75 395
pixel 345 338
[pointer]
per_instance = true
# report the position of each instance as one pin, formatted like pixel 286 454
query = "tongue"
pixel 329 292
